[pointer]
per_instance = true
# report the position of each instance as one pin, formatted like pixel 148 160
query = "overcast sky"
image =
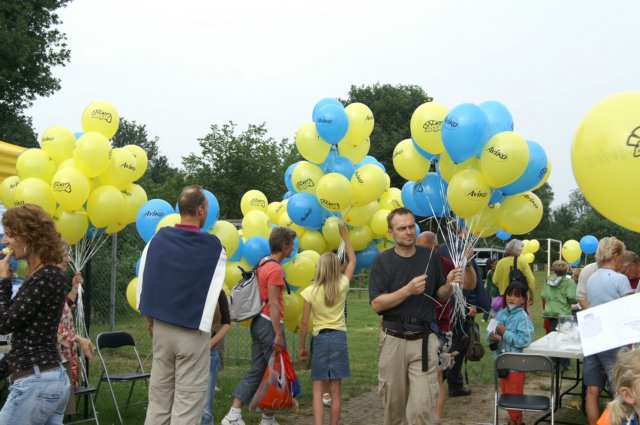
pixel 179 67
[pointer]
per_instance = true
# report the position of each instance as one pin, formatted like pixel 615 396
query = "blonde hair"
pixel 626 373
pixel 607 248
pixel 560 268
pixel 328 276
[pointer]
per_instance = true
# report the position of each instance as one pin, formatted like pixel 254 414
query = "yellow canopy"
pixel 8 156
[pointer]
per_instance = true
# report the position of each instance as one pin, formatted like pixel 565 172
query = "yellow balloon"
pixel 299 271
pixel 358 216
pixel 305 177
pixel 312 255
pixel 169 220
pixel 520 214
pixel 121 169
pixel 256 223
pixel 253 200
pixel 384 244
pixel 604 157
pixel 134 197
pixel 71 225
pixel 101 117
pixel 391 199
pixel 232 273
pixel 529 257
pixel 504 158
pixel 426 126
pixel 535 245
pixel 92 153
pixel 330 231
pixel 70 188
pixel 361 122
pixel 367 184
pixel 132 289
pixel 273 211
pixel 293 304
pixel 485 223
pixel 378 223
pixel 571 250
pixel 69 162
pixel 360 237
pixel 334 192
pixel 142 161
pixel 527 247
pixel 228 235
pixel 314 241
pixel 104 206
pixel 35 163
pixel 58 143
pixel 310 145
pixel 409 164
pixel 468 193
pixel 34 191
pixel 114 227
pixel 448 168
pixel 285 221
pixel 7 187
pixel 354 152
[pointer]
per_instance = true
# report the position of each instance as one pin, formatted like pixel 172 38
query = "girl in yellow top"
pixel 326 299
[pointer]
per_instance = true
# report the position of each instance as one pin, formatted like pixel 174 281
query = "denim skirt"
pixel 330 359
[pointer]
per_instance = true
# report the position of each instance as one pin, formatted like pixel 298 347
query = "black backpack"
pixel 515 275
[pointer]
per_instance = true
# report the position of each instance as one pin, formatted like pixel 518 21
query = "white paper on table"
pixel 493 324
pixel 610 325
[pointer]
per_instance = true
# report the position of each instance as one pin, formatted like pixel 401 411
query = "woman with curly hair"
pixel 39 386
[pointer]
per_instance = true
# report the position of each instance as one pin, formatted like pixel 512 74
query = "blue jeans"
pixel 207 412
pixel 37 399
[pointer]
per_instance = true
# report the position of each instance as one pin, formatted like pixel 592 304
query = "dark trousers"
pixel 459 342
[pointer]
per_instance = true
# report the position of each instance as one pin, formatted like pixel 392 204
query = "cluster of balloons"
pixel 530 248
pixel 572 250
pixel 485 172
pixel 80 180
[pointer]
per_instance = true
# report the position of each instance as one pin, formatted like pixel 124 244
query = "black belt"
pixel 31 371
pixel 408 336
pixel 326 330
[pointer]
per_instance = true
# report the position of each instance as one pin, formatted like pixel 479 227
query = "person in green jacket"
pixel 559 293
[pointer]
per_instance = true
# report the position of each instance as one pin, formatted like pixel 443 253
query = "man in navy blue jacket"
pixel 182 271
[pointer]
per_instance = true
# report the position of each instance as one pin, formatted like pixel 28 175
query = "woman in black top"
pixel 39 386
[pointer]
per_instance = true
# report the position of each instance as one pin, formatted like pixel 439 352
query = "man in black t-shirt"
pixel 404 284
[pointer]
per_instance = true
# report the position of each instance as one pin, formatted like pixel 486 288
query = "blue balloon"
pixel 533 174
pixel 589 244
pixel 343 166
pixel 371 160
pixel 464 131
pixel 364 258
pixel 237 256
pixel 287 177
pixel 430 195
pixel 408 201
pixel 213 212
pixel 77 134
pixel 496 197
pixel 321 104
pixel 305 210
pixel 502 235
pixel 422 152
pixel 498 116
pixel 287 195
pixel 255 249
pixel 332 123
pixel 149 215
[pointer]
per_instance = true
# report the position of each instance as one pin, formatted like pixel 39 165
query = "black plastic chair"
pixel 87 392
pixel 526 402
pixel 119 340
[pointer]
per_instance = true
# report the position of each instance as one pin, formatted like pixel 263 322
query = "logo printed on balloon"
pixel 634 140
pixel 542 173
pixel 61 187
pixel 154 214
pixel 433 126
pixel 304 184
pixel 531 201
pixel 99 114
pixel 128 166
pixel 258 203
pixel 357 175
pixel 333 206
pixel 450 121
pixel 324 121
pixel 306 214
pixel 497 153
pixel 477 194
pixel 395 154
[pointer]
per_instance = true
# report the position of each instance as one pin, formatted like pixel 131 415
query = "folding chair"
pixel 526 402
pixel 117 340
pixel 86 391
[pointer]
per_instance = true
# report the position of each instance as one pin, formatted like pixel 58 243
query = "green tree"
pixel 231 163
pixel 30 47
pixel 392 107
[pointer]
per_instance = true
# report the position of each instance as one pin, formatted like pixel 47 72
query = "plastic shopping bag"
pixel 274 391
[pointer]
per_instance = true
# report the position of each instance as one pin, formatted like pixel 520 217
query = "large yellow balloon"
pixel 101 117
pixel 334 192
pixel 520 214
pixel 91 154
pixel 448 168
pixel 70 188
pixel 310 145
pixel 7 187
pixel 408 162
pixel 426 126
pixel 360 237
pixel 131 294
pixel 299 271
pixel 604 157
pixel 305 177
pixel 354 152
pixel 105 205
pixel 71 225
pixel 358 216
pixel 535 246
pixel 314 241
pixel 485 223
pixel 134 197
pixel 330 231
pixel 367 184
pixel 169 220
pixel 391 199
pixel 121 169
pixel 253 200
pixel 361 122
pixel 504 158
pixel 468 192
pixel 293 304
pixel 571 250
pixel 142 161
pixel 58 143
pixel 35 163
pixel 378 222
pixel 228 235
pixel 256 223
pixel 34 191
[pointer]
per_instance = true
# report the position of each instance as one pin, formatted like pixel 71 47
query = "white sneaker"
pixel 227 421
pixel 264 421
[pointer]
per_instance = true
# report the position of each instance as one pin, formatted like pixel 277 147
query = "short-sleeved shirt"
pixel 606 285
pixel 270 274
pixel 585 274
pixel 390 272
pixel 325 317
